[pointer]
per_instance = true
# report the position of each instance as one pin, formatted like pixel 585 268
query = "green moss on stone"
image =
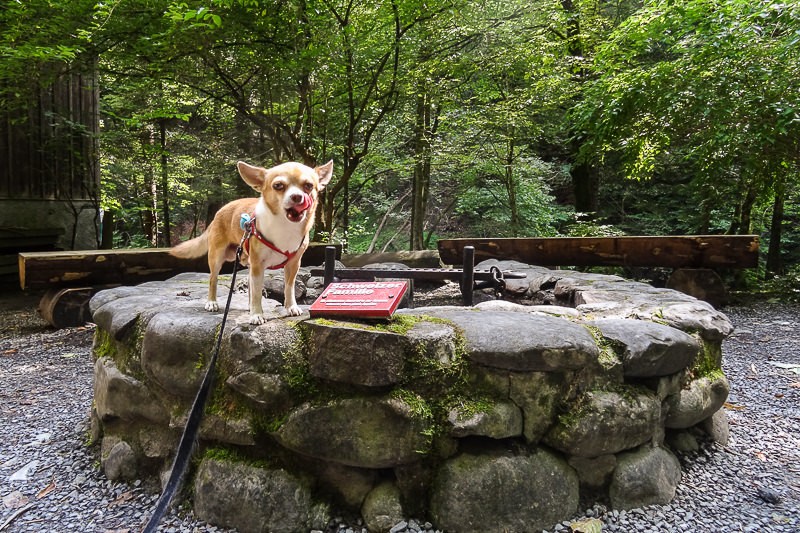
pixel 127 358
pixel 469 407
pixel 610 350
pixel 225 454
pixel 397 324
pixel 708 361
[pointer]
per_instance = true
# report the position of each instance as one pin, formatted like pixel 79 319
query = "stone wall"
pixel 497 417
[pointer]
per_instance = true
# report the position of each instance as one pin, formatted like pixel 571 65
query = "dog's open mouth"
pixel 295 214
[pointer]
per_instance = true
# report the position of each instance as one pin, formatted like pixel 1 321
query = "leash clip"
pixel 246 222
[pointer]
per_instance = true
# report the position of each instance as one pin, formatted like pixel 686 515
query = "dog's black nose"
pixel 297 198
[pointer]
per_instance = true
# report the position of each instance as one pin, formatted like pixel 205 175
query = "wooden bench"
pixel 693 258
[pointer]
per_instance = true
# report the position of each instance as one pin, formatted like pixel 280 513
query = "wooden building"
pixel 49 174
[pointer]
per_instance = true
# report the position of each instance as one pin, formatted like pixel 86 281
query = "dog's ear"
pixel 253 176
pixel 325 172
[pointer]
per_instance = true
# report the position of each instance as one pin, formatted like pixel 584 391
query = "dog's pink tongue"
pixel 306 203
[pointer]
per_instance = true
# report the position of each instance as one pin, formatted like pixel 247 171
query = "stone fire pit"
pixel 490 418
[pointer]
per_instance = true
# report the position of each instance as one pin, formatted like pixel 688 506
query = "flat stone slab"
pixel 520 342
pixel 649 349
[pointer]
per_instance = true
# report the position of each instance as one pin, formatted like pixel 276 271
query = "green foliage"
pixel 444 118
pixel 785 288
pixel 710 85
pixel 484 205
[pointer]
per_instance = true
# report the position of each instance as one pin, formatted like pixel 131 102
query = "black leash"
pixel 189 438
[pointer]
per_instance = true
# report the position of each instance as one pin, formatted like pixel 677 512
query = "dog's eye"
pixel 308 187
pixel 279 186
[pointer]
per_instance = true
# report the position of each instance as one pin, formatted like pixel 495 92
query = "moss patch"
pixel 397 324
pixel 127 359
pixel 708 361
pixel 610 350
pixel 219 453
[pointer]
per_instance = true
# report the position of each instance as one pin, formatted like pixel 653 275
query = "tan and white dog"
pixel 284 215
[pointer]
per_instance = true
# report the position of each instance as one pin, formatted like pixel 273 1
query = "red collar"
pixel 253 230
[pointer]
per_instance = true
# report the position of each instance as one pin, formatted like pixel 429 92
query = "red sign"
pixel 364 299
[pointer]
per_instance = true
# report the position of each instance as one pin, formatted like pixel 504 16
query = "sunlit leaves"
pixel 718 78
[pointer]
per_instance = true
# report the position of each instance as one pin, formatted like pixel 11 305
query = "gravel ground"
pixel 50 480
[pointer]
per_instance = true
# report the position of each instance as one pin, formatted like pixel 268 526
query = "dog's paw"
pixel 257 319
pixel 292 310
pixel 212 305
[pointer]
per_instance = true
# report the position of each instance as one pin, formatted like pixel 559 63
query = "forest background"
pixel 444 118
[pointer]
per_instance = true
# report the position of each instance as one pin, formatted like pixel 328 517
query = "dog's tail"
pixel 196 247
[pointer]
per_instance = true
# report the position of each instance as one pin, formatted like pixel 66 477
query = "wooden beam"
pixel 39 270
pixel 684 251
pixel 128 266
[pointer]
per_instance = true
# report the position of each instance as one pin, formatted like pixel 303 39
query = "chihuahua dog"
pixel 279 221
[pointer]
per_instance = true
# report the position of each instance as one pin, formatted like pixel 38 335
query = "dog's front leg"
pixel 256 286
pixel 289 276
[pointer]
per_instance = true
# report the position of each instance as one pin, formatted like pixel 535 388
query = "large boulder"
pixel 700 399
pixel 649 349
pixel 267 391
pixel 503 492
pixel 539 395
pixel 363 432
pixel 497 420
pixel 604 422
pixel 647 476
pixel 382 508
pixel 176 348
pixel 348 353
pixel 255 499
pixel 118 395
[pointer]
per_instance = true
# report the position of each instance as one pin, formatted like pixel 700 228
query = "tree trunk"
pixel 166 237
pixel 511 188
pixel 774 266
pixel 585 180
pixel 107 230
pixel 746 212
pixel 149 215
pixel 585 186
pixel 420 185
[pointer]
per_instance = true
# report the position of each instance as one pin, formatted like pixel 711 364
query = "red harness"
pixel 251 229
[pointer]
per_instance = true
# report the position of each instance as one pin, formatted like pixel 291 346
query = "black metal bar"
pixel 468 280
pixel 423 274
pixel 330 264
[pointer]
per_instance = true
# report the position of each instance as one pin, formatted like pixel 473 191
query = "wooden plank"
pixel 39 270
pixel 684 251
pixel 128 266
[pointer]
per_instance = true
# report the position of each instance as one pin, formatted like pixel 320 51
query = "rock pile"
pixel 496 417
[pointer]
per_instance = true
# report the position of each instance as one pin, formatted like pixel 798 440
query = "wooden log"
pixel 685 251
pixel 38 270
pixel 129 266
pixel 69 307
